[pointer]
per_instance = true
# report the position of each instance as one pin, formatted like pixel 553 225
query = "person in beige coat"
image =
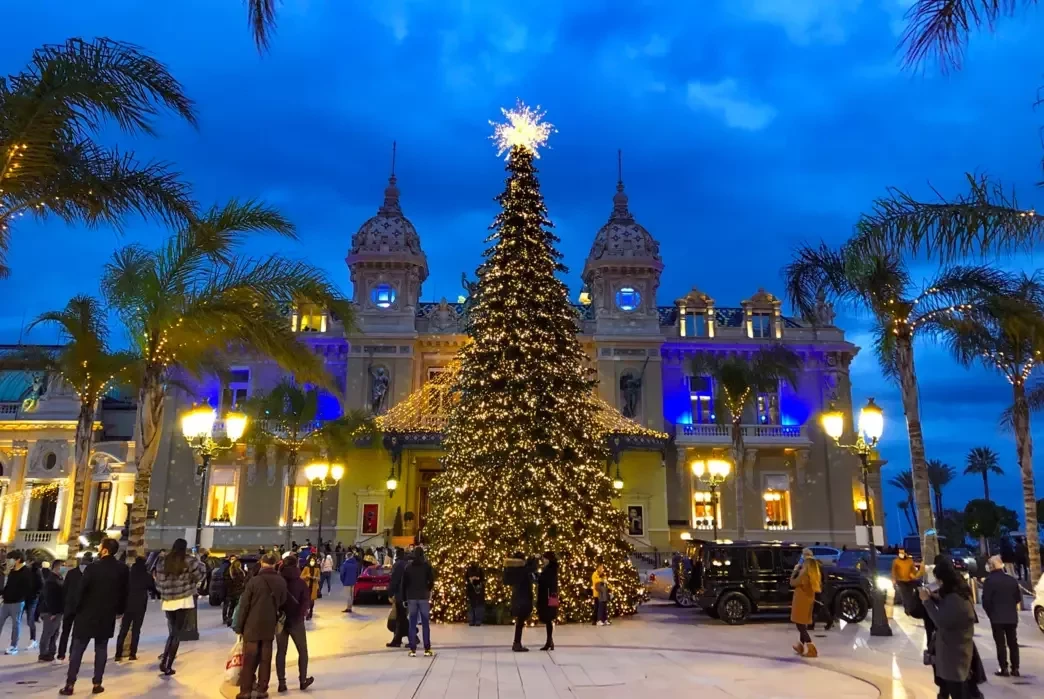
pixel 807 580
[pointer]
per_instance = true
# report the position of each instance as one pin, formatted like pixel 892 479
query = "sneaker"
pixel 306 683
pixel 33 645
pixel 413 654
pixel 66 691
pixel 1003 672
pixel 13 650
pixel 429 653
pixel 600 623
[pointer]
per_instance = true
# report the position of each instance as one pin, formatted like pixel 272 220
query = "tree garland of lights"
pixel 525 463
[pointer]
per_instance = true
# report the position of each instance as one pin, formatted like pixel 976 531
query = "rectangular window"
pixel 776 497
pixel 703 511
pixel 701 393
pixel 760 559
pixel 767 407
pixel 221 503
pixel 101 507
pixel 761 325
pixel 308 319
pixel 300 498
pixel 694 324
pixel 235 394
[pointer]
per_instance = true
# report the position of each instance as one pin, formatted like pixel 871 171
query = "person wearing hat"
pixel 51 607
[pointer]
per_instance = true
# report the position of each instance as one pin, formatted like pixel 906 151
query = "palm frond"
pixel 940 28
pixel 956 290
pixel 983 460
pixel 884 350
pixel 903 481
pixel 812 271
pixel 261 14
pixel 221 228
pixel 985 221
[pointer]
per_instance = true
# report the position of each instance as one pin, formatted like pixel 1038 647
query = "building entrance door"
pixel 423 500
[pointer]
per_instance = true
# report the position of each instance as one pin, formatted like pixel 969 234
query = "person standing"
pixel 547 597
pixel 69 590
pixel 1001 598
pixel 293 627
pixel 326 572
pixel 1021 559
pixel 310 574
pixel 953 617
pixel 31 615
pixel 906 576
pixel 395 590
pixel 100 598
pixel 418 580
pixel 50 606
pixel 235 581
pixel 178 576
pixel 807 581
pixel 600 591
pixel 349 576
pixel 17 588
pixel 475 588
pixel 520 575
pixel 261 606
pixel 139 585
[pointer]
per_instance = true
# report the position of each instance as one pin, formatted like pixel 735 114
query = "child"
pixel 475 584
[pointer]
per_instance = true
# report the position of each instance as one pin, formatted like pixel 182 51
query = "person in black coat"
pixel 402 624
pixel 69 589
pixel 51 605
pixel 101 597
pixel 475 588
pixel 1001 598
pixel 31 613
pixel 139 586
pixel 520 576
pixel 547 596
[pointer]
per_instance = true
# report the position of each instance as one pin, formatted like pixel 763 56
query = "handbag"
pixel 552 600
pixel 234 664
pixel 393 619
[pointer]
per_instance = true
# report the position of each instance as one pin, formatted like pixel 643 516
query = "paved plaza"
pixel 662 652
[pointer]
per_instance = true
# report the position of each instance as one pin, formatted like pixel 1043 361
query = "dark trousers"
pixel 30 617
pixel 476 613
pixel 228 608
pixel 52 626
pixel 296 632
pixel 519 625
pixel 402 622
pixel 101 652
pixel 803 634
pixel 601 611
pixel 550 631
pixel 952 690
pixel 257 660
pixel 131 622
pixel 324 579
pixel 175 623
pixel 63 642
pixel 1006 638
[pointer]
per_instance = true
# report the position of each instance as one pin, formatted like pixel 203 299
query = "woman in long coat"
pixel 952 646
pixel 547 596
pixel 311 574
pixel 520 576
pixel 807 581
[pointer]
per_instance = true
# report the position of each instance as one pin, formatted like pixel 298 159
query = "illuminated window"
pixel 768 408
pixel 628 298
pixel 300 499
pixel 701 393
pixel 694 324
pixel 234 395
pixel 383 295
pixel 761 325
pixel 221 505
pixel 703 512
pixel 776 497
pixel 103 496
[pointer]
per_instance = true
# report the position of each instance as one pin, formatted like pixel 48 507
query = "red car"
pixel 373 584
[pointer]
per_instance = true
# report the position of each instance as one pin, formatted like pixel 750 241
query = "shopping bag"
pixel 392 618
pixel 234 663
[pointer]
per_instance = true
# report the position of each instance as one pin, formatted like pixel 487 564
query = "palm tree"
pixel 879 283
pixel 1006 334
pixel 50 116
pixel 737 382
pixel 904 482
pixel 197 299
pixel 940 475
pixel 941 27
pixel 261 14
pixel 87 364
pixel 983 461
pixel 288 417
pixel 905 507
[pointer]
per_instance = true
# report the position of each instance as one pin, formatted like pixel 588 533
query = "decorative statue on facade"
pixel 378 389
pixel 39 388
pixel 443 318
pixel 470 298
pixel 823 315
pixel 631 390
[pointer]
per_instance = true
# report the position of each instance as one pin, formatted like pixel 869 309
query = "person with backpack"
pixel 296 608
pixel 418 580
pixel 139 586
pixel 51 605
pixel 261 615
pixel 177 576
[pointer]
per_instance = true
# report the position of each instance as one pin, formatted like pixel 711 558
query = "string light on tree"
pixel 525 129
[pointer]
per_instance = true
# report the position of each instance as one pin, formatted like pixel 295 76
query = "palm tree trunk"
pixel 913 508
pixel 81 475
pixel 151 398
pixel 291 482
pixel 904 359
pixel 986 486
pixel 738 452
pixel 1024 447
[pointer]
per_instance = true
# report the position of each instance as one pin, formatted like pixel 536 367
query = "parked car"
pixel 659 583
pixel 735 580
pixel 964 559
pixel 826 554
pixel 1038 605
pixel 372 584
pixel 859 560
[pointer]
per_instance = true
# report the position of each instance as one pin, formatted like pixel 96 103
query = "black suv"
pixel 730 581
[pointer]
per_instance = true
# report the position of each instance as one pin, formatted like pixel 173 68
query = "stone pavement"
pixel 658 653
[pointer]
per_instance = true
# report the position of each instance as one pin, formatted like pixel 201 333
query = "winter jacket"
pixel 52 601
pixel 37 583
pixel 547 587
pixel 905 570
pixel 418 579
pixel 100 598
pixel 297 601
pixel 1001 597
pixel 597 579
pixel 234 583
pixel 954 618
pixel 520 576
pixel 172 586
pixel 350 572
pixel 218 576
pixel 70 587
pixel 475 585
pixel 262 602
pixel 19 585
pixel 139 585
pixel 807 584
pixel 395 584
pixel 310 574
pixel 328 564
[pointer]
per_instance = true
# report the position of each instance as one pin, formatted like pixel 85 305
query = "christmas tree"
pixel 525 468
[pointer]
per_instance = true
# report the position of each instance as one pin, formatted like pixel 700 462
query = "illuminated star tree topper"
pixel 524 128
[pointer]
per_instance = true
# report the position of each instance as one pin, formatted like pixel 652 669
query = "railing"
pixel 650 559
pixel 751 433
pixel 36 539
pixel 8 410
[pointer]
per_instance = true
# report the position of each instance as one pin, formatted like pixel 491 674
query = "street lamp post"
pixel 323 476
pixel 197 426
pixel 712 473
pixel 871 427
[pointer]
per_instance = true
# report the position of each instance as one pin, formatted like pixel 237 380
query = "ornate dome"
pixel 622 239
pixel 389 232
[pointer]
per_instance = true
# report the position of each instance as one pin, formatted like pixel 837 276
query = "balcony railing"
pixel 9 410
pixel 28 539
pixel 752 434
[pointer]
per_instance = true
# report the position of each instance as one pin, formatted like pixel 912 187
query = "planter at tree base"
pixel 402 541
